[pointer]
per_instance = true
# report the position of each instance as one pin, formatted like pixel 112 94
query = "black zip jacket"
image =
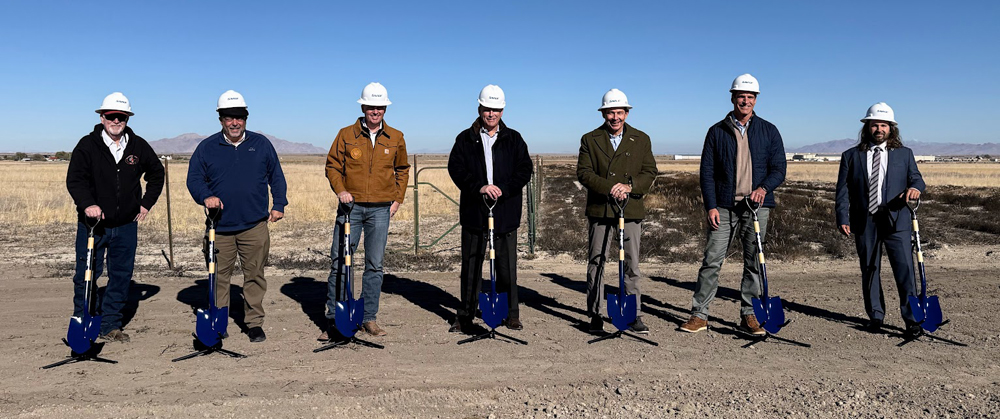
pixel 93 178
pixel 512 170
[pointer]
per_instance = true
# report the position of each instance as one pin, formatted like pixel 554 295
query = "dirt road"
pixel 423 373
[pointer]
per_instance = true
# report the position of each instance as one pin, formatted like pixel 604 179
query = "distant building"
pixel 925 158
pixel 686 157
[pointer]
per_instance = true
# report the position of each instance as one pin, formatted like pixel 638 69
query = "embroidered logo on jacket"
pixel 355 153
pixel 132 159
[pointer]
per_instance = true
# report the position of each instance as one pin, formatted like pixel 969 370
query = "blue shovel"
pixel 926 310
pixel 623 308
pixel 492 305
pixel 767 309
pixel 210 324
pixel 83 330
pixel 348 314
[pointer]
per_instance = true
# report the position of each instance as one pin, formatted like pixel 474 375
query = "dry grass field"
pixel 35 192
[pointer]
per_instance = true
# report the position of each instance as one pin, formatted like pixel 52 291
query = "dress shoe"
pixel 913 331
pixel 596 324
pixel 874 326
pixel 256 334
pixel 514 323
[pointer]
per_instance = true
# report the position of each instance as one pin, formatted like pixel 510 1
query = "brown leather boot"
pixel 749 324
pixel 694 325
pixel 373 329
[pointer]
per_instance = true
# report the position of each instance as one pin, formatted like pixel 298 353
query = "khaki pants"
pixel 252 247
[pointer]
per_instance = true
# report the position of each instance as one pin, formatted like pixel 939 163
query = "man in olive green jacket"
pixel 616 161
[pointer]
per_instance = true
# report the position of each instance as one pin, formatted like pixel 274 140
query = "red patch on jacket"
pixel 132 159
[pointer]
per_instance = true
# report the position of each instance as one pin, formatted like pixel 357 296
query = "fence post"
pixel 416 206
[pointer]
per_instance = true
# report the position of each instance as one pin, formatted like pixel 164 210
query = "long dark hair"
pixel 866 140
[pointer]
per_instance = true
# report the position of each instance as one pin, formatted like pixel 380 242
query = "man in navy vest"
pixel 743 158
pixel 876 179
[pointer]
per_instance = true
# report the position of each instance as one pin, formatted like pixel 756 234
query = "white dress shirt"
pixel 117 150
pixel 488 142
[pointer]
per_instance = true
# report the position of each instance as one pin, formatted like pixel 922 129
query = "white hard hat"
pixel 374 94
pixel 880 112
pixel 115 102
pixel 745 83
pixel 492 97
pixel 614 98
pixel 231 99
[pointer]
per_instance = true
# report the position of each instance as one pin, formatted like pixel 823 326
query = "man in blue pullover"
pixel 743 158
pixel 230 171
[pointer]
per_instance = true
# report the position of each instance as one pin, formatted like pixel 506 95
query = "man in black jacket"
pixel 103 179
pixel 489 161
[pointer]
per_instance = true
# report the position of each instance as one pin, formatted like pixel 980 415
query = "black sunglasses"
pixel 111 117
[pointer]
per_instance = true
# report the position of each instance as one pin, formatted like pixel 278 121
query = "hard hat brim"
pixel 614 107
pixel 866 119
pixel 116 110
pixel 365 102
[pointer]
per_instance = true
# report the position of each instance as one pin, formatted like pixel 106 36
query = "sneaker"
pixel 118 336
pixel 638 327
pixel 373 329
pixel 694 325
pixel 514 323
pixel 749 324
pixel 596 324
pixel 256 334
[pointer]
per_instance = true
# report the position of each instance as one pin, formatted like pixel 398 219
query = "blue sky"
pixel 302 65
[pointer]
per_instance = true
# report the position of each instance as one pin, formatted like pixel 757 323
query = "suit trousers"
pixel 474 244
pixel 880 230
pixel 600 234
pixel 251 246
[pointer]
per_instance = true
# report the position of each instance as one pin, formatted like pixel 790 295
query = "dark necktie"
pixel 873 189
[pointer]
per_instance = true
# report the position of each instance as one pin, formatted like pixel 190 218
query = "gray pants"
pixel 601 232
pixel 732 222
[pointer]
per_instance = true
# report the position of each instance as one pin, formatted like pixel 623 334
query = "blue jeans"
pixel 119 243
pixel 374 222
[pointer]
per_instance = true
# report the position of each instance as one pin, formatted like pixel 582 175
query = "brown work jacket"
pixel 371 175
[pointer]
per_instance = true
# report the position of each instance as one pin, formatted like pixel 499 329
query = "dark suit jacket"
pixel 852 185
pixel 600 166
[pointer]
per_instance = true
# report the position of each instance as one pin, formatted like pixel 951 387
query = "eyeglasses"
pixel 112 117
pixel 228 119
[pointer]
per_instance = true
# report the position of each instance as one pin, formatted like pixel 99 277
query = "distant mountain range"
pixel 186 143
pixel 919 148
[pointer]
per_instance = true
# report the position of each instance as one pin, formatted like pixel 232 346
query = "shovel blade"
pixel 933 317
pixel 76 336
pixel 204 329
pixel 347 316
pixel 220 320
pixel 771 317
pixel 493 307
pixel 917 308
pixel 623 310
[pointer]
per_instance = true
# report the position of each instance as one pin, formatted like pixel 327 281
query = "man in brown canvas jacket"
pixel 367 167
